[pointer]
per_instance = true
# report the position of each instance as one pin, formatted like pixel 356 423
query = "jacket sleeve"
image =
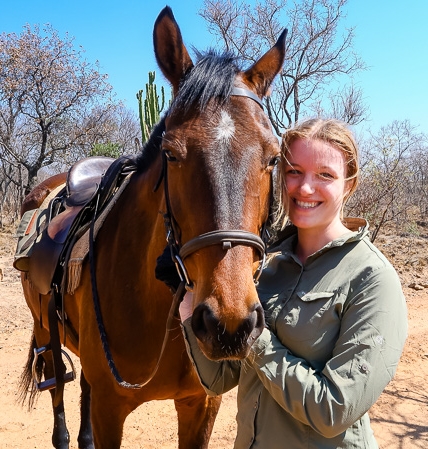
pixel 364 359
pixel 216 377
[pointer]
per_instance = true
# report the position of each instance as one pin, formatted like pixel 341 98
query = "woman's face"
pixel 315 173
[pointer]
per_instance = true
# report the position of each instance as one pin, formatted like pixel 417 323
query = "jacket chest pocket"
pixel 308 317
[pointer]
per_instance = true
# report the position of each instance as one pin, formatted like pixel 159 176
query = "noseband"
pixel 226 238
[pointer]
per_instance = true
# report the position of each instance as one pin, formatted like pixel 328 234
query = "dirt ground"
pixel 399 418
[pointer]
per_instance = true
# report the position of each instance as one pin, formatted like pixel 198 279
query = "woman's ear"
pixel 349 185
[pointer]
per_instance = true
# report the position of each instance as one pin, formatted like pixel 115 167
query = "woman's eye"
pixel 326 175
pixel 169 155
pixel 292 171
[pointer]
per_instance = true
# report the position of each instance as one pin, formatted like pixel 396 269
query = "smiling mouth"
pixel 306 204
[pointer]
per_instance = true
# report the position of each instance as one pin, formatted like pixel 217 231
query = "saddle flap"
pixel 43 263
pixel 60 225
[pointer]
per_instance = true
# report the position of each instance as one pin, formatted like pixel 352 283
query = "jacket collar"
pixel 286 241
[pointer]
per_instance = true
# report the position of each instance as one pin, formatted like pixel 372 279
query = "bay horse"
pixel 214 153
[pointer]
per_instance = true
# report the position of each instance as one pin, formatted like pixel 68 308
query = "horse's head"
pixel 219 153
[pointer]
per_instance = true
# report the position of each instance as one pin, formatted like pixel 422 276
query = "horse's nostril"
pixel 218 341
pixel 259 324
pixel 260 313
pixel 204 323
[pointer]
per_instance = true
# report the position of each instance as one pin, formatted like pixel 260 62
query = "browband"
pixel 241 92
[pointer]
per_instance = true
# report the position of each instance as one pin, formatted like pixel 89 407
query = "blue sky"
pixel 390 38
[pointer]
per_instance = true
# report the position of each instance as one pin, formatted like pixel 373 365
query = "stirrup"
pixel 49 384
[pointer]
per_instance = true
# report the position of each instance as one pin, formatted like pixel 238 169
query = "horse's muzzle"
pixel 217 342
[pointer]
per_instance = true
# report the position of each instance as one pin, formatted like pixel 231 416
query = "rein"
pixel 226 238
pixel 122 164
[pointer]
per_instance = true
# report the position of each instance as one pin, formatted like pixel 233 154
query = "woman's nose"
pixel 307 187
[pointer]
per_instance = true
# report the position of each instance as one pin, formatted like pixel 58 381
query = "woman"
pixel 334 308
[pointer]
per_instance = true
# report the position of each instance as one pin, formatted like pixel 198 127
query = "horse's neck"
pixel 139 215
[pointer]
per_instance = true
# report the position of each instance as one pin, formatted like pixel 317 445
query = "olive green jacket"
pixel 336 330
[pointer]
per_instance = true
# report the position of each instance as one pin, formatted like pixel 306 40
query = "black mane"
pixel 211 78
pixel 151 148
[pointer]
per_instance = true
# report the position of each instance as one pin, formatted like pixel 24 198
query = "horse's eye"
pixel 169 155
pixel 274 161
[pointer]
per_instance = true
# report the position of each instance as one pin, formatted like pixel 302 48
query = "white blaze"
pixel 225 129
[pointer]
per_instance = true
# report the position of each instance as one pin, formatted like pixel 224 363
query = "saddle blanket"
pixel 33 223
pixel 30 229
pixel 81 247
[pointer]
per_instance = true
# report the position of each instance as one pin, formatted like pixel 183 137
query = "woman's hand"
pixel 186 307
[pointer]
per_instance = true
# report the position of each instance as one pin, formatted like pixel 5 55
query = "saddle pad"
pixel 31 226
pixel 81 248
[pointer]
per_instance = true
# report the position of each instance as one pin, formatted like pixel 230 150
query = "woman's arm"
pixel 364 360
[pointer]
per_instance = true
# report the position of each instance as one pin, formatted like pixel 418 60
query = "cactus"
pixel 149 110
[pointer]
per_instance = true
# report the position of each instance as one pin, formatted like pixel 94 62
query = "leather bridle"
pixel 227 238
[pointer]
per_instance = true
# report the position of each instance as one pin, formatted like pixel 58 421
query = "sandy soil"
pixel 400 416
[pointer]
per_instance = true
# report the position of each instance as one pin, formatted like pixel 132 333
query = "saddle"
pixel 47 236
pixel 53 229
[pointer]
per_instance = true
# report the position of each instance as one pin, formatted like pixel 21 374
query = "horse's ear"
pixel 262 73
pixel 171 54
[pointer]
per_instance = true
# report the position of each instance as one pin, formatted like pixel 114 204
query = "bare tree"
pixel 127 129
pixel 316 56
pixel 10 192
pixel 418 189
pixel 345 104
pixel 51 99
pixel 117 127
pixel 388 176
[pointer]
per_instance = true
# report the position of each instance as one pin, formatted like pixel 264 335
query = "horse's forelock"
pixel 211 78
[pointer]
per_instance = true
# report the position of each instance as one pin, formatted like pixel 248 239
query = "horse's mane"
pixel 211 78
pixel 151 148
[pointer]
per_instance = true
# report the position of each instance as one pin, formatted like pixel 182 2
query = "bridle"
pixel 227 238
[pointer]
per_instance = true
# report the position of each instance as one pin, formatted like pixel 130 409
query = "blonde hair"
pixel 334 132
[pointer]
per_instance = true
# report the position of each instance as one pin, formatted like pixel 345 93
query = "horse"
pixel 214 153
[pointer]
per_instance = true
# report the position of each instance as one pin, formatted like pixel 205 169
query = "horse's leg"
pixel 196 416
pixel 60 435
pixel 43 367
pixel 85 438
pixel 108 416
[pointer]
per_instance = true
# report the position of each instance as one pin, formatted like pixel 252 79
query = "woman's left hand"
pixel 186 307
